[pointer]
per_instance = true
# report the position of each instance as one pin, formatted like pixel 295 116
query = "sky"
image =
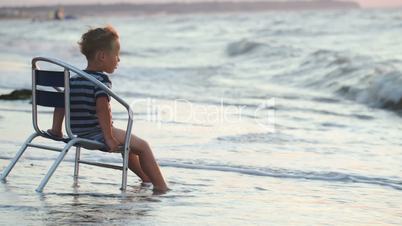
pixel 363 3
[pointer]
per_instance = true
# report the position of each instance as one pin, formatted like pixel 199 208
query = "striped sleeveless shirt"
pixel 83 95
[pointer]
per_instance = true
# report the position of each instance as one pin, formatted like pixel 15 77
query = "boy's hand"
pixel 112 144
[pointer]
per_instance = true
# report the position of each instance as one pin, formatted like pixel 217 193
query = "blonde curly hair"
pixel 97 39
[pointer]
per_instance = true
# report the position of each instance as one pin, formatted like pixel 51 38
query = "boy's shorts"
pixel 99 137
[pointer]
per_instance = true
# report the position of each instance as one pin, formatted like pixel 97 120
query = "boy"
pixel 91 116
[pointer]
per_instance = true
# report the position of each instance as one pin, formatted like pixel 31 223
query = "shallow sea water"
pixel 281 118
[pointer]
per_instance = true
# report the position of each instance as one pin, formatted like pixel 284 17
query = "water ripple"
pixel 329 176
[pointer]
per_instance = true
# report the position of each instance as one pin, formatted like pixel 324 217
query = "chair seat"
pixel 92 145
pixel 84 143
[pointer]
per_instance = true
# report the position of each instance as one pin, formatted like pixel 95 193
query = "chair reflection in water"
pixel 59 83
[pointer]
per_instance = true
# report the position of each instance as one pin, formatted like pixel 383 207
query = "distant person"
pixel 92 118
pixel 59 13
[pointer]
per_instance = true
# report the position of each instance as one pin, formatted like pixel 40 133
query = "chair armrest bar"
pixel 94 80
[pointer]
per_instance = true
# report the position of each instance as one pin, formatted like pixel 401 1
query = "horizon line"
pixel 53 4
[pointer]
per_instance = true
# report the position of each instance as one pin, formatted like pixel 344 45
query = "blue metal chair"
pixel 61 98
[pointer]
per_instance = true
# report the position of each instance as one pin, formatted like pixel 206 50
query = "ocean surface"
pixel 277 118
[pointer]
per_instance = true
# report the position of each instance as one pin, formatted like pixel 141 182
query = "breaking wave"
pixel 242 47
pixel 357 78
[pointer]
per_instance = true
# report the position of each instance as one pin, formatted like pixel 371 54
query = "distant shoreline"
pixel 124 9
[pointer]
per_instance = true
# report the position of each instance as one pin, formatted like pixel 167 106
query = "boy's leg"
pixel 147 161
pixel 58 115
pixel 135 166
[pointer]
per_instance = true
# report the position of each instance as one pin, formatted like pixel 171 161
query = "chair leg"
pixel 54 166
pixel 77 164
pixel 17 156
pixel 125 168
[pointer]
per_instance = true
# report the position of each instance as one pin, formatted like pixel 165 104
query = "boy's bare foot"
pixel 160 191
pixel 55 134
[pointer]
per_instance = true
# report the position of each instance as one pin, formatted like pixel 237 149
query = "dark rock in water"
pixel 392 105
pixel 19 94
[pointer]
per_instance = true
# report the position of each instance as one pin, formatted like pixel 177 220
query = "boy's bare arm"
pixel 104 114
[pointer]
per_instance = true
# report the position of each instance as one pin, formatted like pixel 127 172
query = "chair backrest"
pixel 49 89
pixel 48 79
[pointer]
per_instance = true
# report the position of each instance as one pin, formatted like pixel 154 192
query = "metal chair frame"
pixel 72 140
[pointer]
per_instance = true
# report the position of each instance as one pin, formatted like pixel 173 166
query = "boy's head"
pixel 101 47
